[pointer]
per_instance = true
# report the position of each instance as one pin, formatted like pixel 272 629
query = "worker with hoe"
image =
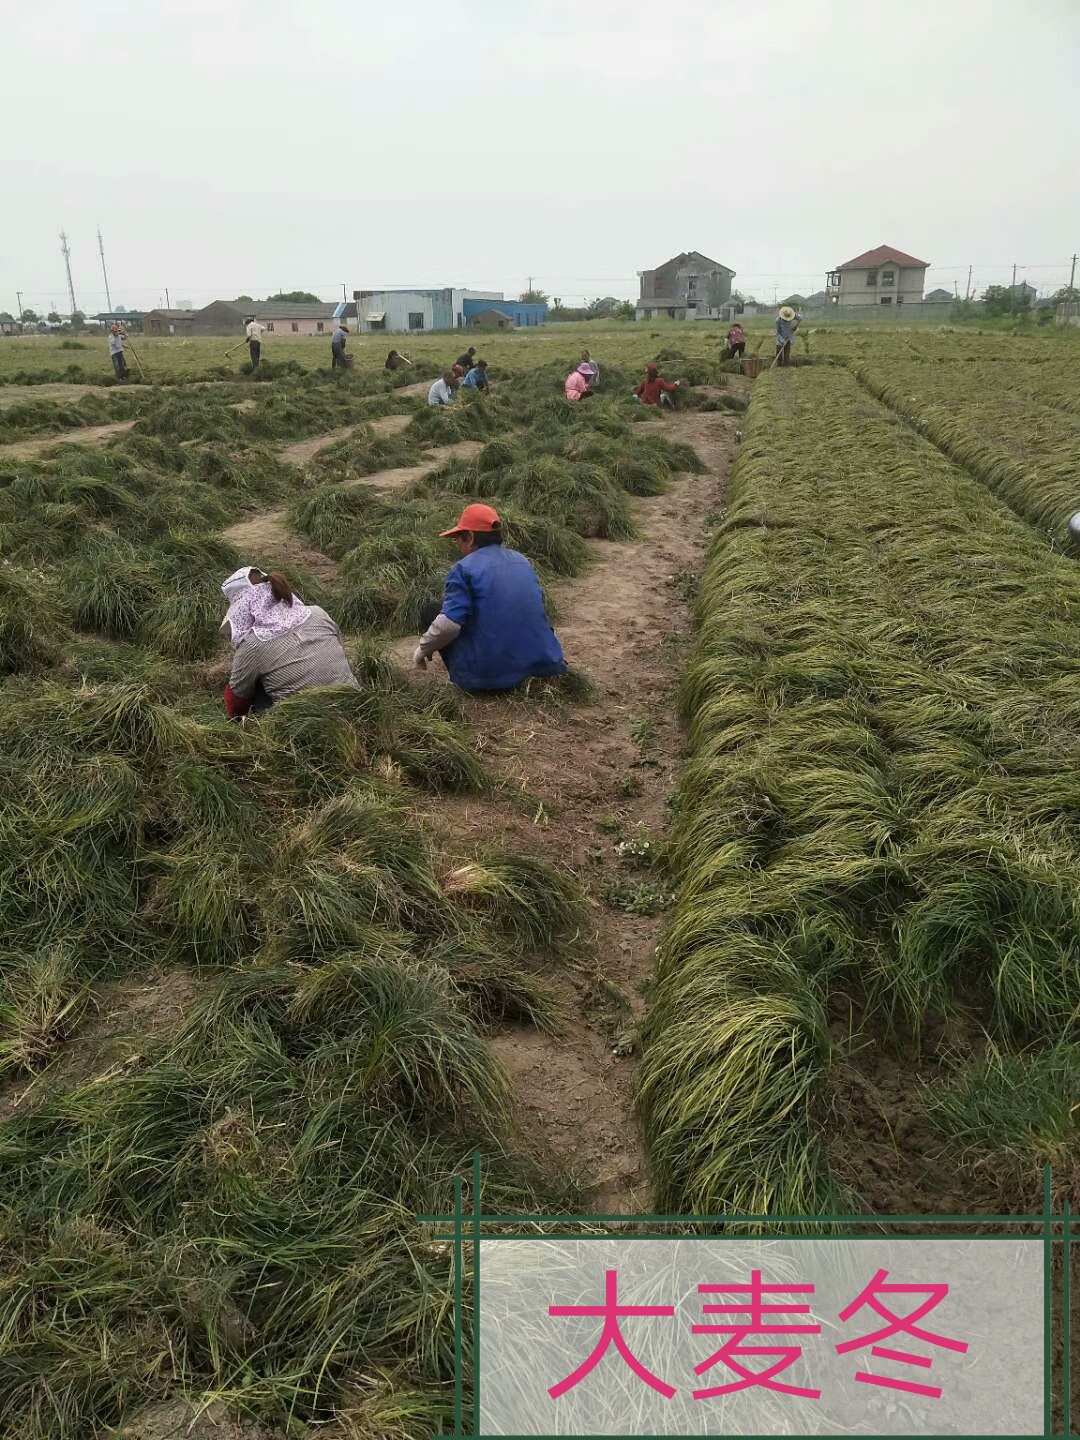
pixel 253 333
pixel 491 629
pixel 280 645
pixel 338 340
pixel 787 322
pixel 465 359
pixel 394 361
pixel 736 342
pixel 654 389
pixel 117 337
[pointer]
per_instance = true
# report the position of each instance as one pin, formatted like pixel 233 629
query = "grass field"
pixel 869 984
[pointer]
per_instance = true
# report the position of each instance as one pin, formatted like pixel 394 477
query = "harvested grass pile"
pixel 239 1196
pixel 877 819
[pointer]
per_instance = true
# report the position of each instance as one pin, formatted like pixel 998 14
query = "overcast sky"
pixel 247 146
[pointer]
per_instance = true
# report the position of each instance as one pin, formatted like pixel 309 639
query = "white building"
pixel 411 312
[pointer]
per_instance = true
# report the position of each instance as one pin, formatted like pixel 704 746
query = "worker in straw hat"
pixel 491 628
pixel 787 322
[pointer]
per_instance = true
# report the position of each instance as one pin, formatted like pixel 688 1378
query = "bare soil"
pixel 267 541
pixel 562 769
pixel 86 435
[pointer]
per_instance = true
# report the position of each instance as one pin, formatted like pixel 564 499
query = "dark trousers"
pixel 338 358
pixel 737 351
pixel 119 364
pixel 255 350
pixel 783 353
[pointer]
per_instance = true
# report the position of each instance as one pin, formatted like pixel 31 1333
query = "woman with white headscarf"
pixel 280 645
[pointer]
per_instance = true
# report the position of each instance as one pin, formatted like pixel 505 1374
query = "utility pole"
pixel 1072 273
pixel 168 306
pixel 67 265
pixel 967 292
pixel 1014 276
pixel 105 273
pixel 18 296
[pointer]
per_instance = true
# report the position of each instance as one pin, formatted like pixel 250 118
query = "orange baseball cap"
pixel 479 518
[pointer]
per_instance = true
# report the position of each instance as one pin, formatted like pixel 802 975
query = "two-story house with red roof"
pixel 880 277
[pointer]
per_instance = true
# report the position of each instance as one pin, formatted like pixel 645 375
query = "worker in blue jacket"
pixel 491 629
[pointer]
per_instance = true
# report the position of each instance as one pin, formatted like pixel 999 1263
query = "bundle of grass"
pixel 334 517
pixel 42 999
pixel 110 589
pixel 322 736
pixel 199 416
pixel 522 897
pixel 30 626
pixel 466 419
pixel 362 453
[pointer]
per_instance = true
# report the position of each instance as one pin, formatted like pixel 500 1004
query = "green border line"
pixel 1066 1340
pixel 458 1367
pixel 477 1220
pixel 1039 1219
pixel 1048 1311
pixel 476 1290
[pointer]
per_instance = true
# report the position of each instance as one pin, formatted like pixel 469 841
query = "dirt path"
pixel 266 540
pixel 578 780
pixel 87 435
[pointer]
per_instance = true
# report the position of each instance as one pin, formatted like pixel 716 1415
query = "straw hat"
pixel 786 312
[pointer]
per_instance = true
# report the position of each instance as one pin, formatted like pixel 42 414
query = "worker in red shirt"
pixel 655 390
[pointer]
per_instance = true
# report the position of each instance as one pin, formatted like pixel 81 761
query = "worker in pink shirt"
pixel 577 382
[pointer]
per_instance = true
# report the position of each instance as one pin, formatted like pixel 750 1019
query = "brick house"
pixel 687 287
pixel 884 276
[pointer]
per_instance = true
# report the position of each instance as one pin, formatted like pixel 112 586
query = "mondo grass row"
pixel 878 829
pixel 1017 430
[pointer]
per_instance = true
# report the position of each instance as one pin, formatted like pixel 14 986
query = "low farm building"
pixel 280 317
pixel 416 311
pixel 169 322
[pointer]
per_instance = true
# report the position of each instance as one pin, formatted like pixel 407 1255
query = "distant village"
pixel 689 287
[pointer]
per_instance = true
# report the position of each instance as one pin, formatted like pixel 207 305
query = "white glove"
pixel 419 659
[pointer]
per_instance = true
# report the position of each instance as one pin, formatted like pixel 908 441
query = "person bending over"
pixel 280 645
pixel 736 342
pixel 442 391
pixel 654 389
pixel 491 629
pixel 477 378
pixel 579 381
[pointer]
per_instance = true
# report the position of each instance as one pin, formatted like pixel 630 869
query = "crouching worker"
pixel 654 389
pixel 491 630
pixel 280 645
